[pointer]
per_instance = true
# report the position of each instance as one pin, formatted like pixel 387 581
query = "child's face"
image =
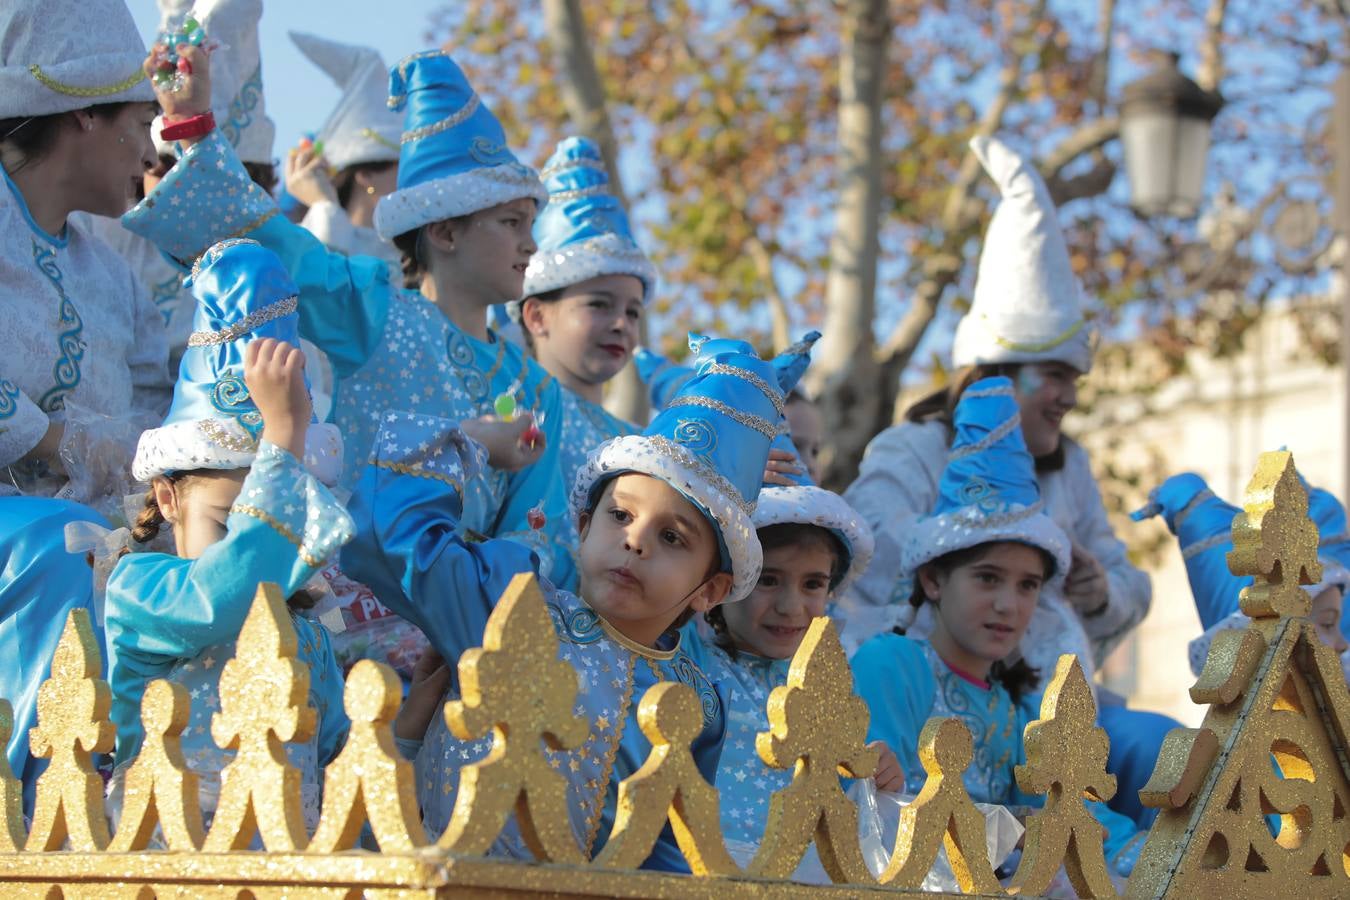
pixel 807 433
pixel 646 555
pixel 490 250
pixel 1046 393
pixel 197 508
pixel 793 588
pixel 1326 618
pixel 590 331
pixel 983 607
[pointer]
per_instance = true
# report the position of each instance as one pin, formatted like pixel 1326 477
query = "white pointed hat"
pixel 236 71
pixel 1027 305
pixel 61 55
pixel 362 128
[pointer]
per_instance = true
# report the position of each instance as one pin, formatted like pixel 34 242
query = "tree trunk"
pixel 584 96
pixel 844 373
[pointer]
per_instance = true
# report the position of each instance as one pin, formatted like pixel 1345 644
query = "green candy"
pixel 505 406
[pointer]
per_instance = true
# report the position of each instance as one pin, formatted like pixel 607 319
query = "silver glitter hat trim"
pixel 677 467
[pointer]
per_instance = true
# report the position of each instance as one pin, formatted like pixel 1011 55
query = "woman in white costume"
pixel 1025 322
pixel 360 144
pixel 83 366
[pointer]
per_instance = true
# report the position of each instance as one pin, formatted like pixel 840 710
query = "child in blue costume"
pixel 981 558
pixel 462 217
pixel 814 544
pixel 1203 525
pixel 226 473
pixel 664 520
pixel 585 290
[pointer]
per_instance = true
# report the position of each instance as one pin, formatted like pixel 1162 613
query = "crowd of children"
pixel 345 421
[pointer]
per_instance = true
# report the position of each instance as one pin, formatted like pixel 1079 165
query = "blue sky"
pixel 298 95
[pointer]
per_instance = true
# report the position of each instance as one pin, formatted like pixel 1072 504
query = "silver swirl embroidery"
pixel 696 436
pixel 9 399
pixel 70 342
pixel 488 152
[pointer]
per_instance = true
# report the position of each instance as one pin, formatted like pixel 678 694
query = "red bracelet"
pixel 194 126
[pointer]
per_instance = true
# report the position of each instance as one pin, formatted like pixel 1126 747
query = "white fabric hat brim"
pixel 981 340
pixel 1333 575
pixel 936 536
pixel 74 84
pixel 606 254
pixel 696 480
pixel 456 195
pixel 811 505
pixel 224 444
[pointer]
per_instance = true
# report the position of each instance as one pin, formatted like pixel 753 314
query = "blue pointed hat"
pixel 243 293
pixel 988 491
pixel 663 376
pixel 1203 525
pixel 454 158
pixel 805 503
pixel 711 443
pixel 583 232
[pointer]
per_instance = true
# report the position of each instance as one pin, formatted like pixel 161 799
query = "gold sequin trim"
pixel 607 769
pixel 594 165
pixel 395 99
pixel 980 520
pixel 72 90
pixel 250 322
pixel 989 440
pixel 263 515
pixel 450 121
pixel 496 363
pixel 419 472
pixel 578 193
pixel 219 434
pixel 668 448
pixel 648 653
pixel 1036 346
pixel 214 252
pixel 731 412
pixel 378 138
pixel 774 395
pixel 1214 540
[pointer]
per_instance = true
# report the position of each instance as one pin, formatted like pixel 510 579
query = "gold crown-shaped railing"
pixel 1273 691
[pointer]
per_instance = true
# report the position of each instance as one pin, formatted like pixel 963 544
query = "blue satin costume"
pixel 409 549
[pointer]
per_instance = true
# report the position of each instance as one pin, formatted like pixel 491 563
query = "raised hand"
pixel 275 374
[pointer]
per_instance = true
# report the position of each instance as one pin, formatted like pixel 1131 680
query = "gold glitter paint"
pixel 942 816
pixel 819 726
pixel 516 687
pixel 1066 761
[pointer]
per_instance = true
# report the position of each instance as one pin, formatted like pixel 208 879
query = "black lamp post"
pixel 1164 130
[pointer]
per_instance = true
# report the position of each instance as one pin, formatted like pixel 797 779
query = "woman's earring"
pixel 370 189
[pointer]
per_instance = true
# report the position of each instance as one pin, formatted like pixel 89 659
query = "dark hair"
pixel 151 519
pixel 940 405
pixel 264 175
pixel 774 537
pixel 345 181
pixel 1018 678
pixel 35 136
pixel 409 244
pixel 552 296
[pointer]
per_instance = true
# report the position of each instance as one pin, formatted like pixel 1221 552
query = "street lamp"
pixel 1164 129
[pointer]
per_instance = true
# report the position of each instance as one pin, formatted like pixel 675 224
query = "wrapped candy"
pixel 170 69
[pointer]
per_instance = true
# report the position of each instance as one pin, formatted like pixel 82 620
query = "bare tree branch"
pixel 1101 63
pixel 1210 74
pixel 778 308
pixel 582 90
